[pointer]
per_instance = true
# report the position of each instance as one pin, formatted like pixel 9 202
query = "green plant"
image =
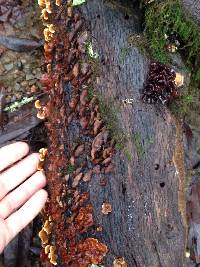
pixel 165 17
pixel 181 106
pixel 128 154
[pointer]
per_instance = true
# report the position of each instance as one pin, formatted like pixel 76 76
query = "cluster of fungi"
pixel 162 84
pixel 79 145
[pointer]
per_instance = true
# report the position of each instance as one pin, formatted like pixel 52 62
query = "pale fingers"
pixel 21 218
pixel 20 195
pixel 12 153
pixel 15 175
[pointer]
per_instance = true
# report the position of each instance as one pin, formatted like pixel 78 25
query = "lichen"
pixel 18 104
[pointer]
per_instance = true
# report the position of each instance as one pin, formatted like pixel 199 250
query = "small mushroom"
pixel 69 11
pixel 72 160
pixel 47 227
pixel 77 171
pixel 75 70
pixel 106 161
pixel 77 179
pixel 87 176
pixel 45 14
pixel 46 249
pixel 42 3
pixel 43 151
pixel 83 96
pixel 48 7
pixel 58 2
pixel 40 166
pixel 47 35
pixel 38 104
pixel 120 262
pixel 52 255
pixel 41 115
pixel 97 144
pixel 48 68
pixel 79 150
pixel 106 208
pixel 43 236
pixel 51 28
pixel 97 125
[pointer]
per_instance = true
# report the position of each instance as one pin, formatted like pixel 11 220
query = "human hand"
pixel 21 193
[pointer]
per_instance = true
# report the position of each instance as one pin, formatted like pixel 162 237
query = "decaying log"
pixel 147 224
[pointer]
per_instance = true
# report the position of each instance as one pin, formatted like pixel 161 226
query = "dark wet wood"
pixel 19 123
pixel 17 252
pixel 145 225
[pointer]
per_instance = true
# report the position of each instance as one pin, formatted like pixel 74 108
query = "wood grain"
pixel 145 225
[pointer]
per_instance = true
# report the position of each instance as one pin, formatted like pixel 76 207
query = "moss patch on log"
pixel 166 17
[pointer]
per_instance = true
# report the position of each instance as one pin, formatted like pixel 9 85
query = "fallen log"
pixel 147 224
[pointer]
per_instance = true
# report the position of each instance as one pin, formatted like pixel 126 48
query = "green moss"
pixel 128 154
pixel 140 42
pixel 164 17
pixel 110 115
pixel 138 144
pixel 90 93
pixel 182 106
pixel 70 169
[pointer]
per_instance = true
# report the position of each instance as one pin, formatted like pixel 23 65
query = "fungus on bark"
pixel 70 210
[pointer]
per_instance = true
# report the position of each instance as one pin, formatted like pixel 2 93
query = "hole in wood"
pixel 126 16
pixel 162 184
pixel 103 61
pixel 98 16
pixel 157 167
pixel 123 188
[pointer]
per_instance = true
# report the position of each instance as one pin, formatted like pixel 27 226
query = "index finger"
pixel 22 217
pixel 12 153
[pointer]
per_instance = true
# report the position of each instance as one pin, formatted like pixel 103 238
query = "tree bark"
pixel 147 224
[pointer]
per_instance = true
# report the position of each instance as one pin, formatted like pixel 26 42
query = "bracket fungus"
pixel 69 206
pixel 120 262
pixel 106 208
